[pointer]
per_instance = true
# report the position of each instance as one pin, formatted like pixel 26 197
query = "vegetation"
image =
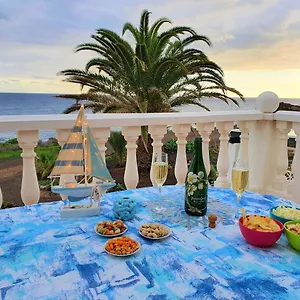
pixel 158 72
pixel 171 146
pixel 118 143
pixel 45 161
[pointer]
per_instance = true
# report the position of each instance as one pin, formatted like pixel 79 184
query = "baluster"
pixel 157 133
pixel 30 192
pixel 181 131
pixel 222 164
pixel 101 136
pixel 280 181
pixel 295 188
pixel 244 127
pixel 131 176
pixel 62 136
pixel 205 130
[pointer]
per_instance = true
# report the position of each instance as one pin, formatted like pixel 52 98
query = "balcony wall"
pixel 263 140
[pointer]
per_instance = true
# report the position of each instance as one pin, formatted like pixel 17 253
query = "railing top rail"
pixel 60 121
pixel 290 116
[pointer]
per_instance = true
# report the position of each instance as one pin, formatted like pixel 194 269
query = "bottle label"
pixel 196 192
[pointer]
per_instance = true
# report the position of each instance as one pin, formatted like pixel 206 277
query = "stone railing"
pixel 263 140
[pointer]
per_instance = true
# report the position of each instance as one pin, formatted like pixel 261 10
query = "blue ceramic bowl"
pixel 280 219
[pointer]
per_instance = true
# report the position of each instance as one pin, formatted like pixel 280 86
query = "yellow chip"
pixel 261 223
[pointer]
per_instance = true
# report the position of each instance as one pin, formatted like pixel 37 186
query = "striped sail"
pixel 96 166
pixel 70 159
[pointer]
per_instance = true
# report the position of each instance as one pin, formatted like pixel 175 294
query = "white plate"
pixel 121 255
pixel 110 236
pixel 159 238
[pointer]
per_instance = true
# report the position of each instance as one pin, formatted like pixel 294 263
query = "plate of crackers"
pixel 154 231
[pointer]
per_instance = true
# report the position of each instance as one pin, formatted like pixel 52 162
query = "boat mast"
pixel 85 154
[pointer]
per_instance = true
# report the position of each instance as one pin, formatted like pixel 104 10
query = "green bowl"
pixel 293 238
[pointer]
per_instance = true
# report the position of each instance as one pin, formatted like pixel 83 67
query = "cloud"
pixel 38 36
pixel 4 17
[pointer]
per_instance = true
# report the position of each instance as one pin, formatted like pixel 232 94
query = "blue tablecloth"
pixel 44 257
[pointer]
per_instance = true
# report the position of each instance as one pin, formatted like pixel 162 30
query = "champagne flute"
pixel 160 172
pixel 240 176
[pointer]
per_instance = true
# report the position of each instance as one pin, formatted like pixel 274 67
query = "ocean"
pixel 40 104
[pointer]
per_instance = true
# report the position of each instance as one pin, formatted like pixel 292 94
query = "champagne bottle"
pixel 196 183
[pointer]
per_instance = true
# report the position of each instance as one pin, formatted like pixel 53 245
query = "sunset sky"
pixel 256 42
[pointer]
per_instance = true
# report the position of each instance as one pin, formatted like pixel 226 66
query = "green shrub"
pixel 13 141
pixel 118 143
pixel 212 174
pixel 45 161
pixel 171 145
pixel 189 146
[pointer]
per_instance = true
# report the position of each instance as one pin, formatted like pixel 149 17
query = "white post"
pixel 222 164
pixel 280 181
pixel 131 176
pixel 101 136
pixel 62 136
pixel 30 192
pixel 262 148
pixel 157 133
pixel 181 131
pixel 295 188
pixel 205 130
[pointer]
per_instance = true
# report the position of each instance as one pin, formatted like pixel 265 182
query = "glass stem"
pixel 238 198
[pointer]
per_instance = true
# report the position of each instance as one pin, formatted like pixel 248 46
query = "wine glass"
pixel 160 172
pixel 240 176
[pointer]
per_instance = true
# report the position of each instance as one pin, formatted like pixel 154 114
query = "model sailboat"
pixel 80 156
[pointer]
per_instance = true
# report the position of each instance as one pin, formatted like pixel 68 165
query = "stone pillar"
pixel 205 130
pixel 157 133
pixel 222 164
pixel 62 136
pixel 181 131
pixel 30 191
pixel 262 147
pixel 131 176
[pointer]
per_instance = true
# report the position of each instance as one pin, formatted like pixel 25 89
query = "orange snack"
pixel 122 245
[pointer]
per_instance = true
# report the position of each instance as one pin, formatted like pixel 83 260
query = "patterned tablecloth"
pixel 44 257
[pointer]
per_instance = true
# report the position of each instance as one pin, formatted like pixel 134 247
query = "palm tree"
pixel 158 73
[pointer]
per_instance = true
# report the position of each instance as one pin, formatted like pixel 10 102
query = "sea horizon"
pixel 12 103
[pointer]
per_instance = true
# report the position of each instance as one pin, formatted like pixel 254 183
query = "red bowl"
pixel 260 238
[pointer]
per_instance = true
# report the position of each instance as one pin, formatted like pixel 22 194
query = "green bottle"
pixel 196 183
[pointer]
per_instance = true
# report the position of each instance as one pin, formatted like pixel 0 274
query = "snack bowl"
pixel 280 219
pixel 293 238
pixel 260 238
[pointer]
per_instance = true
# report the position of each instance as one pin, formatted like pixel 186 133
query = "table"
pixel 44 257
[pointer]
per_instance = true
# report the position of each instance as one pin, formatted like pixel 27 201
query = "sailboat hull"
pixel 81 191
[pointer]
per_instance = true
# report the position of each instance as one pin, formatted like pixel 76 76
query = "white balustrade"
pixel 101 136
pixel 280 182
pixel 263 141
pixel 222 164
pixel 181 131
pixel 131 176
pixel 30 192
pixel 157 134
pixel 205 130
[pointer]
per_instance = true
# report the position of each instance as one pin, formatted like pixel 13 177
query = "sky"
pixel 256 42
